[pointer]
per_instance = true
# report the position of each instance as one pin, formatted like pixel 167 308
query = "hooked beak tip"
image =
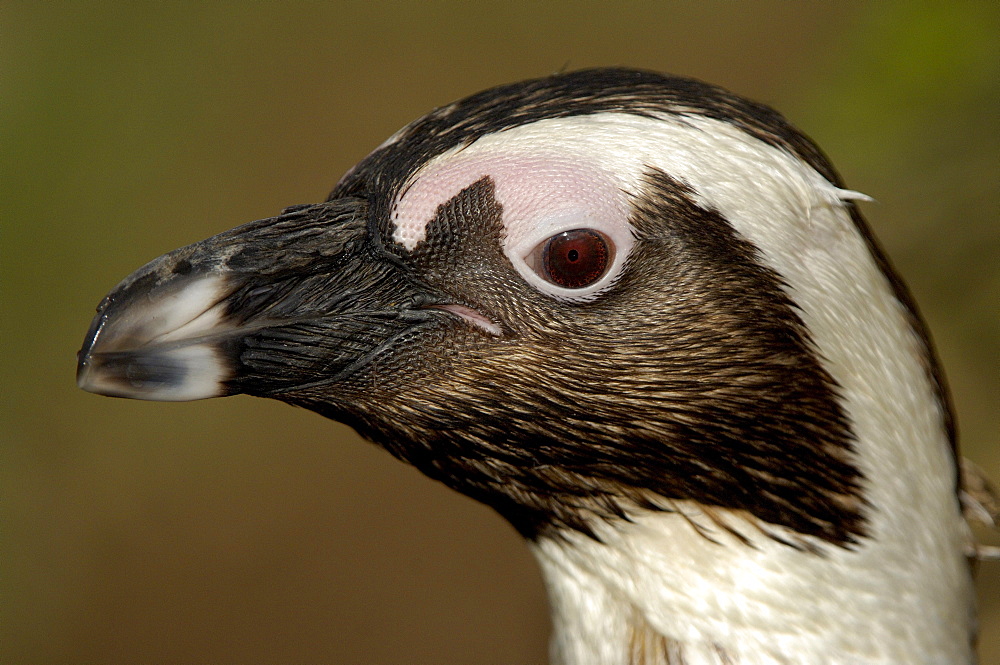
pixel 171 375
pixel 150 342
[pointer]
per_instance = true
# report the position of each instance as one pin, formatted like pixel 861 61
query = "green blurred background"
pixel 243 531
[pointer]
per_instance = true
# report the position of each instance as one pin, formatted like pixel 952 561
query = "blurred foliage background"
pixel 242 531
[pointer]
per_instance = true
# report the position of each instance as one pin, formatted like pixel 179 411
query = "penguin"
pixel 641 318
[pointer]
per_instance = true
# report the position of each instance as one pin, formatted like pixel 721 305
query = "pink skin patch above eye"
pixel 539 193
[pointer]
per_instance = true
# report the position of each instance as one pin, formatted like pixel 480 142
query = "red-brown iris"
pixel 575 259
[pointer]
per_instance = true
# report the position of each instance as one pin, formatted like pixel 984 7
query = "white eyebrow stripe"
pixel 532 186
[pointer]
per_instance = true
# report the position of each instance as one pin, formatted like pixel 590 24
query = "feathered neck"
pixel 709 586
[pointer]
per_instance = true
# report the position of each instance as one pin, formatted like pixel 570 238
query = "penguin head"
pixel 571 298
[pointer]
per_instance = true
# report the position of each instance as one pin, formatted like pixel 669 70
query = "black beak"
pixel 284 304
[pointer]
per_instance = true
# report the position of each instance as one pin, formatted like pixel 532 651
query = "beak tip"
pixel 82 371
pixel 152 338
pixel 167 375
pixel 84 363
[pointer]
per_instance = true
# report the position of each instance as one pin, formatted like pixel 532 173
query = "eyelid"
pixel 618 232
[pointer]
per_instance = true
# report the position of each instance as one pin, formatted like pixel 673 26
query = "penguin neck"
pixel 707 586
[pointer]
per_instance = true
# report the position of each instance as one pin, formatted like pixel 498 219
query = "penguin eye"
pixel 573 259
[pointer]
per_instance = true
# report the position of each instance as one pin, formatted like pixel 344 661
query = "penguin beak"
pixel 278 305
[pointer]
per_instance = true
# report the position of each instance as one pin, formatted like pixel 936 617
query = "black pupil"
pixel 576 259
